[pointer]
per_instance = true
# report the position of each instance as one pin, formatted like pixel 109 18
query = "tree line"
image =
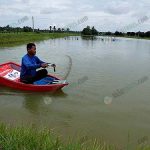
pixel 88 31
pixel 52 29
pixel 132 34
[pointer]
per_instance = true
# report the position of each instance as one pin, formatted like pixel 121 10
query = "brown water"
pixel 91 104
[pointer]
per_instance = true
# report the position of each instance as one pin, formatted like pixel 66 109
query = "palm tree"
pixel 50 28
pixel 62 29
pixel 54 28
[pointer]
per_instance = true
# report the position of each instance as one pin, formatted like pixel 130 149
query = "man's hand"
pixel 53 65
pixel 44 65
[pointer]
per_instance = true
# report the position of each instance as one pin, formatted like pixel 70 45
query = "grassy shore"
pixel 14 39
pixel 31 138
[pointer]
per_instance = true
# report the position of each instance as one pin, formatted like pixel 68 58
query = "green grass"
pixel 31 138
pixel 14 39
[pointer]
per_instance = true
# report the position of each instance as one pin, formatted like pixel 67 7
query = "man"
pixel 30 63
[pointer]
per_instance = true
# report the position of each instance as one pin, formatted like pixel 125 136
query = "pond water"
pixel 108 94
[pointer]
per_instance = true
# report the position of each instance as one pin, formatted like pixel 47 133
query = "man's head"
pixel 31 49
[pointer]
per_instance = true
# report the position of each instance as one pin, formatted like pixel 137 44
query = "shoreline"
pixel 14 39
pixel 31 137
pixel 140 38
pixel 131 37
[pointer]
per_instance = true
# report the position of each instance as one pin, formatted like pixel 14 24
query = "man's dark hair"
pixel 29 45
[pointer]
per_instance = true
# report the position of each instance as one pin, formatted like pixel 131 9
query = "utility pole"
pixel 33 23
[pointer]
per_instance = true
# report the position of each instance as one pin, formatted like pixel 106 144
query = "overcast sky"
pixel 105 15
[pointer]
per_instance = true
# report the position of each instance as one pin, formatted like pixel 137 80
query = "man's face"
pixel 32 51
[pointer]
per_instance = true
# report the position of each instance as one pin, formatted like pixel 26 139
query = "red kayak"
pixel 10 77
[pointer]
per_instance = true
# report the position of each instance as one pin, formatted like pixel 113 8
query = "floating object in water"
pixel 108 100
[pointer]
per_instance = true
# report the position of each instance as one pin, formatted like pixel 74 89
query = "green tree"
pixel 87 31
pixel 59 30
pixel 27 29
pixel 94 31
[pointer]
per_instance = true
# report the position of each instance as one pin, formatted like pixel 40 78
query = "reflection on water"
pixel 101 99
pixel 35 101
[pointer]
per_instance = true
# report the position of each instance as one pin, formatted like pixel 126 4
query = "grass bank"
pixel 14 39
pixel 31 138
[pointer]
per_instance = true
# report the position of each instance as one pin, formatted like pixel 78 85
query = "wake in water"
pixel 69 67
pixel 14 93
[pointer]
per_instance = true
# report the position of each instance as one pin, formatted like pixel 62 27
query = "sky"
pixel 104 15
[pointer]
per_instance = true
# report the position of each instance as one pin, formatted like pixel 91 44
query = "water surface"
pixel 95 70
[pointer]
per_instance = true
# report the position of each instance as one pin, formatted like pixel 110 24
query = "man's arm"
pixel 43 64
pixel 29 65
pixel 39 61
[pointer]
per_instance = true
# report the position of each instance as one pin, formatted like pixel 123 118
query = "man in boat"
pixel 30 63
